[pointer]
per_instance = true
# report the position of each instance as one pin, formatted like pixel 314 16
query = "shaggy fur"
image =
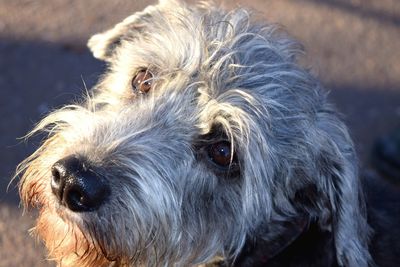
pixel 291 196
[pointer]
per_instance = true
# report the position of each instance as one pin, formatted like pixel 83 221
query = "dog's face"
pixel 203 130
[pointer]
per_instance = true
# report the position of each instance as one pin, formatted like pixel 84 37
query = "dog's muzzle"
pixel 77 186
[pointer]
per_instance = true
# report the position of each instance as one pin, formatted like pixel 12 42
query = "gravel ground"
pixel 352 45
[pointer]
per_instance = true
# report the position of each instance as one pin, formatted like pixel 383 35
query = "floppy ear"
pixel 338 168
pixel 103 45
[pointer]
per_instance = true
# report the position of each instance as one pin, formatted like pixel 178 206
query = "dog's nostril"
pixel 75 196
pixel 84 191
pixel 57 180
pixel 77 187
pixel 56 175
pixel 75 199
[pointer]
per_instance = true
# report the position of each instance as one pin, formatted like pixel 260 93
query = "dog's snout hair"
pixel 208 135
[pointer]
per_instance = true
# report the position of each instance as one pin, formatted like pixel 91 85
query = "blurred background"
pixel 352 45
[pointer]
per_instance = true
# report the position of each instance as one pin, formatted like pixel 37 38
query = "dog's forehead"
pixel 167 42
pixel 231 63
pixel 205 45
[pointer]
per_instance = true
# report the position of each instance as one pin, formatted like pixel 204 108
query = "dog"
pixel 204 143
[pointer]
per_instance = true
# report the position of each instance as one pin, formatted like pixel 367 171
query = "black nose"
pixel 76 186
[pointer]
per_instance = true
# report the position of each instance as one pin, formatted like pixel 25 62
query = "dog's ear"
pixel 103 45
pixel 337 164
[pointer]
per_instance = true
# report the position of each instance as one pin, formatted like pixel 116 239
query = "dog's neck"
pixel 301 244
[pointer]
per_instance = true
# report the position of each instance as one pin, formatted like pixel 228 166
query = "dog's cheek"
pixel 66 243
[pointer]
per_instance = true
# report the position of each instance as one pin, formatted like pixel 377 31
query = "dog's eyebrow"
pixel 215 133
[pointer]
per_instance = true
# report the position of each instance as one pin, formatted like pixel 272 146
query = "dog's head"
pixel 203 131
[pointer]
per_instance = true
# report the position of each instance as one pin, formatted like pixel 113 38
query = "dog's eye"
pixel 221 153
pixel 141 83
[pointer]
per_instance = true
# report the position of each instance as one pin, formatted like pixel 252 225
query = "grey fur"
pixel 169 206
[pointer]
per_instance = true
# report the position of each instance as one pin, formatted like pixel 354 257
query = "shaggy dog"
pixel 204 143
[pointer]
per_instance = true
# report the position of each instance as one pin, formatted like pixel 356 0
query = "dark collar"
pixel 261 250
pixel 298 243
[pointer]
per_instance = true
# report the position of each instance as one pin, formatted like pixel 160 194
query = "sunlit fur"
pixel 168 204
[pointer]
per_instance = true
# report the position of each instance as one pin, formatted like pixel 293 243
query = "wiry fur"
pixel 169 206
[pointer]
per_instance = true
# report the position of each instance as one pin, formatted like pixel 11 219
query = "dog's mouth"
pixel 66 236
pixel 38 196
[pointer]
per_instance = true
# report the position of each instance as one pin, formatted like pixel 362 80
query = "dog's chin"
pixel 66 243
